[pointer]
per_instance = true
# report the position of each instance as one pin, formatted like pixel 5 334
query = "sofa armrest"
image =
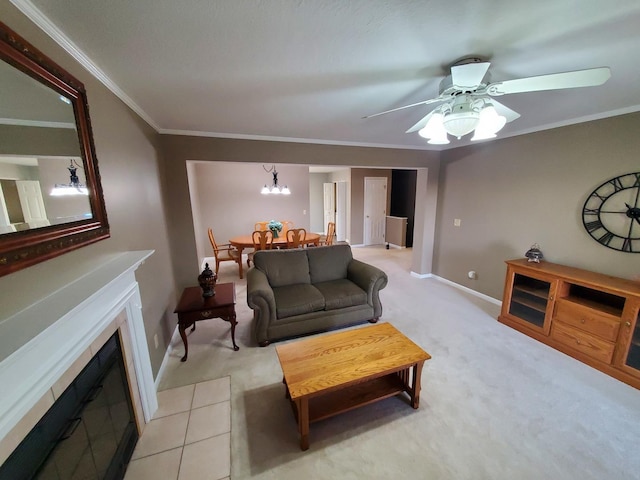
pixel 261 300
pixel 369 278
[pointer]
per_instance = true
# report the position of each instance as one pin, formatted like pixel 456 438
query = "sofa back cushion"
pixel 283 267
pixel 329 263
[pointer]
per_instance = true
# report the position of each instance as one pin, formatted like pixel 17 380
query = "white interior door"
pixel 5 222
pixel 341 211
pixel 329 207
pixel 375 209
pixel 32 203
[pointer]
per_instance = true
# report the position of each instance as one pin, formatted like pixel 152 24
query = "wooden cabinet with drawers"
pixel 592 317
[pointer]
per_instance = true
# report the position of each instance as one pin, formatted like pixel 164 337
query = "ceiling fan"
pixel 468 104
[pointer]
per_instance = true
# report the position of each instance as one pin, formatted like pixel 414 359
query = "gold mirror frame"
pixel 21 249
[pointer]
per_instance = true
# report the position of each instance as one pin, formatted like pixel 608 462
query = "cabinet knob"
pixel 206 313
pixel 627 324
pixel 578 342
pixel 582 320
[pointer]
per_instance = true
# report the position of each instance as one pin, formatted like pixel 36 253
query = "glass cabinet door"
pixel 633 355
pixel 529 299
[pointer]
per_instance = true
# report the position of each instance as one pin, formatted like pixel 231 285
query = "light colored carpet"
pixel 495 404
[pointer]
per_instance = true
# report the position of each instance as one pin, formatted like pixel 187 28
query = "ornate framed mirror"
pixel 51 200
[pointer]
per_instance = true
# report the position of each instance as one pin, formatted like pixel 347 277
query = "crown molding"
pixel 268 138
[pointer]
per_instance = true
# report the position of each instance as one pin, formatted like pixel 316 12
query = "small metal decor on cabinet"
pixel 534 254
pixel 207 280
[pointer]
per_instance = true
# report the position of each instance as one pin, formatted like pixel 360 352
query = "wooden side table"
pixel 193 307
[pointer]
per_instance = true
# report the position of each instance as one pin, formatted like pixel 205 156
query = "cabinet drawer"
pixel 190 317
pixel 584 342
pixel 587 319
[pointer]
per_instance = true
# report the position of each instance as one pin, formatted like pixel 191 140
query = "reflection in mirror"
pixel 46 154
pixel 33 188
pixel 30 193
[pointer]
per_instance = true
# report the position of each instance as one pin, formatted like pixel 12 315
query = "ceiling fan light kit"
pixel 468 104
pixel 461 117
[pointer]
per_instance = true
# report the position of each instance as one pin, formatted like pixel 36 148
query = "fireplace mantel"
pixel 40 343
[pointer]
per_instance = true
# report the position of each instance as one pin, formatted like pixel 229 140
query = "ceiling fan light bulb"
pixel 275 190
pixel 265 190
pixel 480 135
pixel 459 123
pixel 490 121
pixel 286 191
pixel 438 140
pixel 434 130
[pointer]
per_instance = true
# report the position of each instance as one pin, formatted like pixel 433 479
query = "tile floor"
pixel 189 437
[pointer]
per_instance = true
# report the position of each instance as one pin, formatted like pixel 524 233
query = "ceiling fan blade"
pixel 505 111
pixel 421 123
pixel 555 81
pixel 469 75
pixel 425 102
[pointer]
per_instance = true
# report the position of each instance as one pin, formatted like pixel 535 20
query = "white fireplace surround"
pixel 70 320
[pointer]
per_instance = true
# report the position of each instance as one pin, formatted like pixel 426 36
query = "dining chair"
pixel 261 226
pixel 286 226
pixel 296 237
pixel 225 253
pixel 330 236
pixel 262 240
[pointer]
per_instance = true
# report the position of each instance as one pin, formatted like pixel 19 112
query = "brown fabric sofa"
pixel 300 291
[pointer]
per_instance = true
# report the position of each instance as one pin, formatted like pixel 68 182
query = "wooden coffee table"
pixel 334 373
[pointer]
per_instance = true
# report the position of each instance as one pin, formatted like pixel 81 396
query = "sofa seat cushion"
pixel 341 293
pixel 297 299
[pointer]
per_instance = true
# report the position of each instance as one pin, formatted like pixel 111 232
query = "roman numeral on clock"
pixel 590 211
pixel 617 184
pixel 626 245
pixel 593 226
pixel 606 238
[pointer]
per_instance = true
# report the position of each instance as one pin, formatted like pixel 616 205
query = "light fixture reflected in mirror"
pixel 274 189
pixel 74 187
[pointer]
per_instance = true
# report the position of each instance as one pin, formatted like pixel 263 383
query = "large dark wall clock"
pixel 611 213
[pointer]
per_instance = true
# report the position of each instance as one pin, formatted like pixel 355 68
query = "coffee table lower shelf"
pixel 332 403
pixel 340 401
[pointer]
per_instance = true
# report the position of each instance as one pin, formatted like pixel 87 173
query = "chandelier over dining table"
pixel 274 189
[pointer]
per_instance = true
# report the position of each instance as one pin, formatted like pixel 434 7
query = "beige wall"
pixel 178 150
pixel 128 159
pixel 36 141
pixel 513 192
pixel 316 201
pixel 228 200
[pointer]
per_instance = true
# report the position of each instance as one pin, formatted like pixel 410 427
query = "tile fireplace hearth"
pixel 72 325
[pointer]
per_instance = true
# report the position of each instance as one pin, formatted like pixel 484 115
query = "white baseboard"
pixel 422 275
pixel 167 354
pixel 468 290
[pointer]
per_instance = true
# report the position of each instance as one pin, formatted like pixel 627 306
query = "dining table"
pixel 245 241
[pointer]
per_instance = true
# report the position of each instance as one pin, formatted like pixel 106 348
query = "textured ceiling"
pixel 309 70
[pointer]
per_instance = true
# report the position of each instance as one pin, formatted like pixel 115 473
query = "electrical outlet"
pixel 456 222
pixel 304 212
pixel 155 340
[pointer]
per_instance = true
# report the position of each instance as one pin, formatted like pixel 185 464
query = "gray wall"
pixel 512 192
pixel 128 159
